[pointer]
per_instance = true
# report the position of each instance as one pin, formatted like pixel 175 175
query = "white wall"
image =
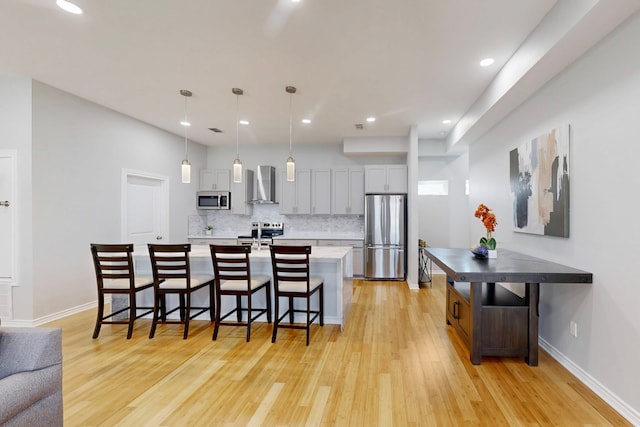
pixel 598 96
pixel 78 152
pixel 443 219
pixel 15 133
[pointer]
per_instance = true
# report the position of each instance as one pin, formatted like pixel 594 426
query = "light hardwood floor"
pixel 396 363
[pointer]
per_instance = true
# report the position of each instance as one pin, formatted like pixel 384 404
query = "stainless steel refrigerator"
pixel 385 236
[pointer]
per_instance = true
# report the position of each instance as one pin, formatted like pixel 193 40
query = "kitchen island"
pixel 333 263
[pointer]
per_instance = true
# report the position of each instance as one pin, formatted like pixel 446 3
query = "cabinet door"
pixel 340 196
pixel 375 179
pixel 397 178
pixel 218 179
pixel 347 191
pixel 356 191
pixel 296 195
pixel 321 191
pixel 222 179
pixel 295 242
pixel 303 191
pixel 287 196
pixel 241 193
pixel 206 180
pixel 357 252
pixel 358 261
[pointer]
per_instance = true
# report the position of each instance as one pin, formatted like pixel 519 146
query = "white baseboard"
pixel 613 400
pixel 51 317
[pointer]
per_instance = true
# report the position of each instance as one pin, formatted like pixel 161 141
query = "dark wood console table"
pixel 492 320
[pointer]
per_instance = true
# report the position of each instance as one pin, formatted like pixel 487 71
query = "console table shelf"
pixel 504 319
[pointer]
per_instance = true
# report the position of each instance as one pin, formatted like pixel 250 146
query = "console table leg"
pixel 533 298
pixel 476 321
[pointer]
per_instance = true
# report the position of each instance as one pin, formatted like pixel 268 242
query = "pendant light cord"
pixel 290 123
pixel 237 127
pixel 186 156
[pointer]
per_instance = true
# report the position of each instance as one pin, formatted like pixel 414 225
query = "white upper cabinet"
pixel 347 191
pixel 296 196
pixel 385 179
pixel 321 191
pixel 242 193
pixel 216 179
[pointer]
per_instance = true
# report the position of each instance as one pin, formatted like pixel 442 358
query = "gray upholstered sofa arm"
pixel 30 377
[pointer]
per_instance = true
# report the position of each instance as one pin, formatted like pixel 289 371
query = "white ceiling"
pixel 406 62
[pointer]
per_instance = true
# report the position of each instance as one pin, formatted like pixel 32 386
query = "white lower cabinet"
pixel 212 241
pixel 295 242
pixel 357 252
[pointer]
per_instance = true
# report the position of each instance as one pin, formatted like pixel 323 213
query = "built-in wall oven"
pixel 213 200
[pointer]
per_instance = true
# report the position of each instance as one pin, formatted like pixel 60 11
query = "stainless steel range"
pixel 262 233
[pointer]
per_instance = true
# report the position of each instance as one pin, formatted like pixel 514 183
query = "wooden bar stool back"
pixel 172 275
pixel 232 270
pixel 292 280
pixel 114 275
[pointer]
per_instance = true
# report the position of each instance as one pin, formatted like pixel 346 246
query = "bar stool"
pixel 233 277
pixel 115 275
pixel 292 280
pixel 172 275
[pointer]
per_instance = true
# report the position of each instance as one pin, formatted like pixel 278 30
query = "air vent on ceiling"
pixel 216 130
pixel 359 126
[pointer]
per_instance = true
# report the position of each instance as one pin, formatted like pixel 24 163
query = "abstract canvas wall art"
pixel 539 174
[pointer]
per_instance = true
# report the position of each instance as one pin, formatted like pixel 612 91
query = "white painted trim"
pixel 12 155
pixel 594 385
pixel 164 180
pixel 51 317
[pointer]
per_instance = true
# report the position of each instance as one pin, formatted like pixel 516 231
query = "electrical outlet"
pixel 573 328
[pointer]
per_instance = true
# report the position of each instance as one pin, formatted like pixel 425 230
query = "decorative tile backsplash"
pixel 226 224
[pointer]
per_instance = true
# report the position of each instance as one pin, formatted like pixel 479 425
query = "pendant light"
pixel 237 163
pixel 291 164
pixel 186 166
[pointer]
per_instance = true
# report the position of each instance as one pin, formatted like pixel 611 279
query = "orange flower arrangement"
pixel 489 221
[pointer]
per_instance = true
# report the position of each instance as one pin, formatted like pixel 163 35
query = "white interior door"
pixel 7 182
pixel 145 208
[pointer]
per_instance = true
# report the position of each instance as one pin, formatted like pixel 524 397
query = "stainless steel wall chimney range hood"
pixel 265 185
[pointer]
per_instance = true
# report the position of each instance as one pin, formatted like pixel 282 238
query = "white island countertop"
pixel 292 236
pixel 318 253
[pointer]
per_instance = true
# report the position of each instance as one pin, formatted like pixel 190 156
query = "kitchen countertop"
pixel 321 236
pixel 310 236
pixel 213 236
pixel 318 253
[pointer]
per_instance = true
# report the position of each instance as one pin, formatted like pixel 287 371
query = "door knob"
pixel 158 237
pixel 5 203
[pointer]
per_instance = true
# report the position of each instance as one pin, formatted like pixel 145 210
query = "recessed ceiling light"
pixel 306 121
pixel 295 1
pixel 446 122
pixel 185 123
pixel 69 7
pixel 244 122
pixel 371 119
pixel 486 62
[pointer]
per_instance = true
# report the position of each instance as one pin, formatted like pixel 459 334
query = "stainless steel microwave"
pixel 213 200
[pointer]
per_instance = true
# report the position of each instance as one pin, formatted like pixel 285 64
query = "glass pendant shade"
pixel 237 171
pixel 186 172
pixel 291 169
